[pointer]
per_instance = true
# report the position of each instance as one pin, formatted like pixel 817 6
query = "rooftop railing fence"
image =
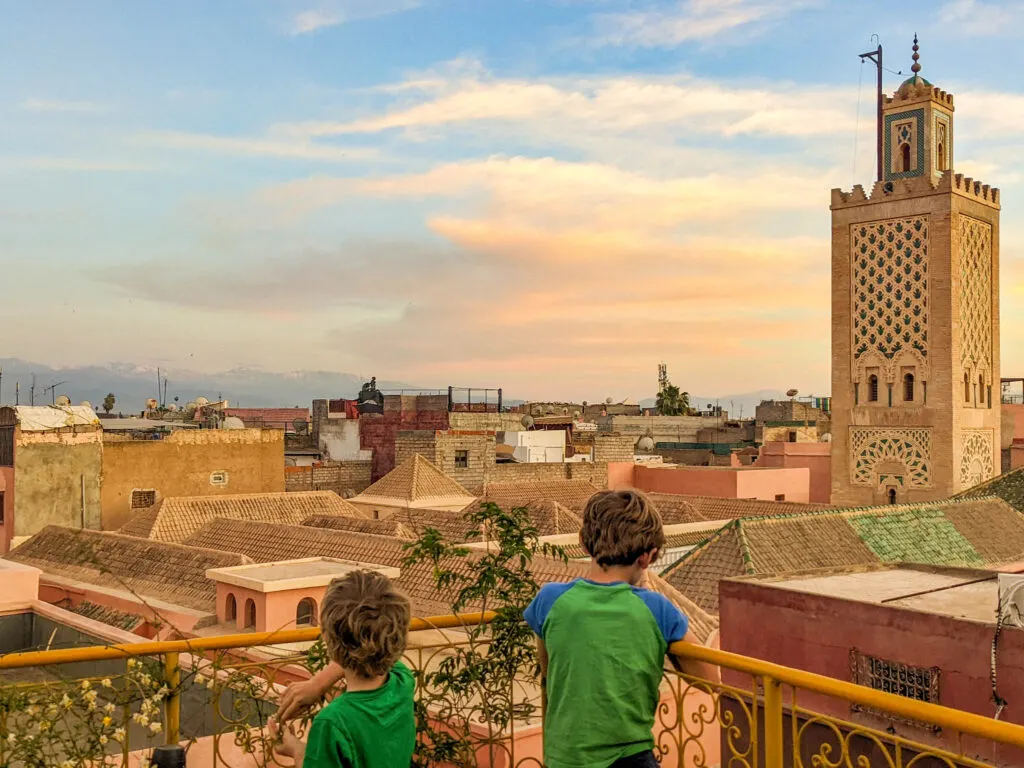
pixel 116 704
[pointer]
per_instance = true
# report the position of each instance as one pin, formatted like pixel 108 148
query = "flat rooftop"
pixel 293 574
pixel 960 593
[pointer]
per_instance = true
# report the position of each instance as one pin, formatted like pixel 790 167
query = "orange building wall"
pixel 816 457
pixel 726 482
pixel 274 610
pixel 181 465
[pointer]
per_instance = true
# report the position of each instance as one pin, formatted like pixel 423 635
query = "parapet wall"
pixel 915 187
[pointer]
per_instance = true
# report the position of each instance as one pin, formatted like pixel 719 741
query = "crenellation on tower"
pixel 915 332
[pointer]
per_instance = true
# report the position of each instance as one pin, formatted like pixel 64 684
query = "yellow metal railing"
pixel 762 726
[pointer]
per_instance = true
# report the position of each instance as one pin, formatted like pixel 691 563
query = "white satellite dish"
pixel 1011 599
pixel 527 421
pixel 63 401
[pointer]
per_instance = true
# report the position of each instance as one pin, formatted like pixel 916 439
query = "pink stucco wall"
pixel 274 610
pixel 1012 423
pixel 621 474
pixel 816 633
pixel 793 483
pixel 20 582
pixel 7 508
pixel 1017 456
pixel 157 614
pixel 816 457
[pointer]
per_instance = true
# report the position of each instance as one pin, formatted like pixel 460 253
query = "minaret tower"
pixel 915 315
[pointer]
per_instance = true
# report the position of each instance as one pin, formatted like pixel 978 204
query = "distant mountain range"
pixel 133 384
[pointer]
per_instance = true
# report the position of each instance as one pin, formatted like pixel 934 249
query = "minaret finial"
pixel 916 66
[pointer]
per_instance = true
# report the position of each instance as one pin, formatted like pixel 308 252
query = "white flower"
pixel 92 706
pixel 11 739
pixel 132 663
pixel 119 734
pixel 211 684
pixel 89 696
pixel 65 701
pixel 140 718
pixel 103 739
pixel 106 683
pixel 155 727
pixel 109 708
pixel 86 685
pixel 164 691
pixel 199 679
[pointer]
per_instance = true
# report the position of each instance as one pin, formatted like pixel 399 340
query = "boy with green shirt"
pixel 602 641
pixel 372 724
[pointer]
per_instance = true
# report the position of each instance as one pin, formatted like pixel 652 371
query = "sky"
pixel 551 196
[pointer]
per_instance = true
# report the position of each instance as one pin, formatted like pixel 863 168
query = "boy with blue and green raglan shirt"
pixel 602 641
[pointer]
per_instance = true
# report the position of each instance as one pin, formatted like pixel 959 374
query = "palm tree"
pixel 108 402
pixel 672 402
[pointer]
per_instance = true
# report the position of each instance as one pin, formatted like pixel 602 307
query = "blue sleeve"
pixel 537 612
pixel 671 621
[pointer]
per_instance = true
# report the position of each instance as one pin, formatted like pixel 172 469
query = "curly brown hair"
pixel 365 622
pixel 619 526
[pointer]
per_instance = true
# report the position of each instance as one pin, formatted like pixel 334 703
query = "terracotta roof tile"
pixel 969 532
pixel 451 525
pixel 676 508
pixel 106 615
pixel 177 518
pixel 387 527
pixel 571 494
pixel 1008 487
pixel 415 482
pixel 170 572
pixel 550 518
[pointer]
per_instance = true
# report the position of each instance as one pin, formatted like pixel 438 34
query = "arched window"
pixel 873 388
pixel 250 614
pixel 967 388
pixel 908 387
pixel 230 608
pixel 941 155
pixel 981 389
pixel 892 495
pixel 305 613
pixel 904 157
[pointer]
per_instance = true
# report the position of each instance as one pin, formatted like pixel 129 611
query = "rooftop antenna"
pixel 52 389
pixel 876 57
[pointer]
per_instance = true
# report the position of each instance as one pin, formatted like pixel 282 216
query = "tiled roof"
pixel 388 527
pixel 550 518
pixel 414 482
pixel 110 616
pixel 451 525
pixel 266 542
pixel 571 494
pixel 1008 487
pixel 177 518
pixel 672 540
pixel 966 532
pixel 170 572
pixel 690 509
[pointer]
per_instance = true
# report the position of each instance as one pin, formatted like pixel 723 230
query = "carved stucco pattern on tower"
pixel 976 456
pixel 975 297
pixel 890 295
pixel 871 447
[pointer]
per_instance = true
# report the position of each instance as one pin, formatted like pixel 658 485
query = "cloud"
pixel 564 109
pixel 331 14
pixel 667 25
pixel 260 147
pixel 981 19
pixel 54 105
pixel 74 165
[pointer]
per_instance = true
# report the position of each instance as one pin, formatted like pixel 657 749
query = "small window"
pixel 305 613
pixel 892 495
pixel 942 156
pixel 873 388
pixel 981 390
pixel 6 446
pixel 462 459
pixel 230 608
pixel 792 437
pixel 1 508
pixel 218 478
pixel 250 614
pixel 780 497
pixel 967 388
pixel 143 499
pixel 908 388
pixel 904 158
pixel 918 683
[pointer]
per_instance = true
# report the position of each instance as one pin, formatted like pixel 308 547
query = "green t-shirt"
pixel 606 647
pixel 366 729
